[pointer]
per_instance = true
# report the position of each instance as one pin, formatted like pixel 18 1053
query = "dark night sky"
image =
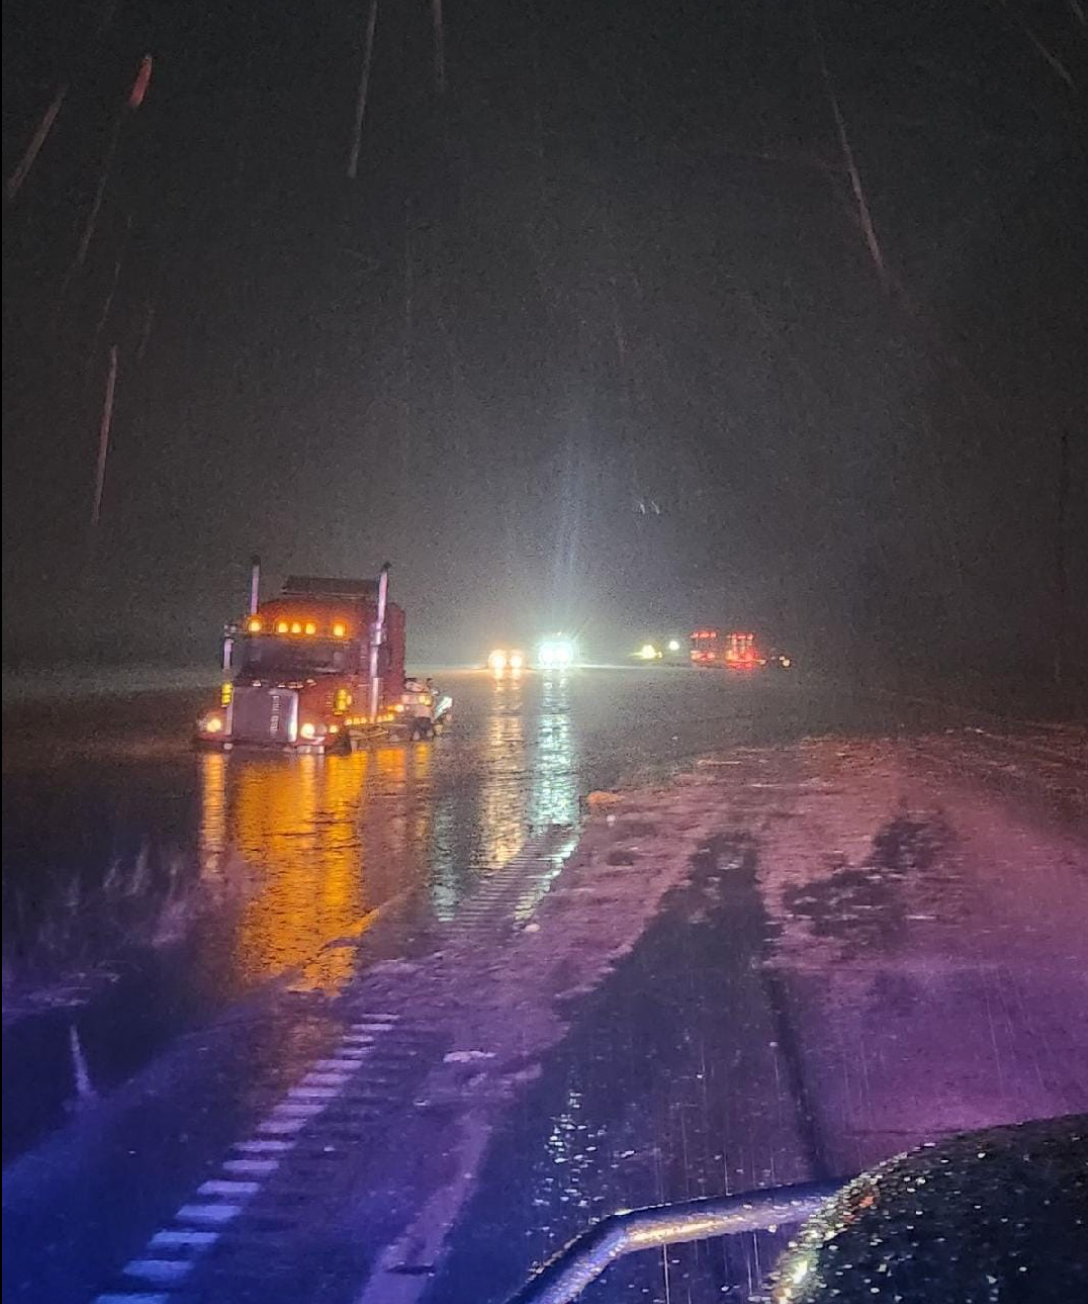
pixel 594 339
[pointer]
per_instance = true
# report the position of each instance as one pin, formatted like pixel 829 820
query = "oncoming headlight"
pixel 556 653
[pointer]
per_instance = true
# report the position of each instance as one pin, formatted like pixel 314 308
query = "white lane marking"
pixel 219 1187
pixel 298 1109
pixel 282 1126
pixel 323 1082
pixel 174 1236
pixel 209 1213
pixel 141 1298
pixel 263 1146
pixel 160 1272
pixel 264 1166
pixel 315 1093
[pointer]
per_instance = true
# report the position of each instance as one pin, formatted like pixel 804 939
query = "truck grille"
pixel 264 715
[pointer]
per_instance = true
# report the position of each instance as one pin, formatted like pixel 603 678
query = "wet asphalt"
pixel 263 887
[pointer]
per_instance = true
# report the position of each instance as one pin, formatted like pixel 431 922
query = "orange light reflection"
pixel 294 822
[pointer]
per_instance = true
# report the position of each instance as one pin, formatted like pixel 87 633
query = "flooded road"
pixel 148 886
pixel 259 861
pixel 314 966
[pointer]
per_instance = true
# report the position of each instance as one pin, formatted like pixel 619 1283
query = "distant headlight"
pixel 497 660
pixel 210 724
pixel 556 653
pixel 516 660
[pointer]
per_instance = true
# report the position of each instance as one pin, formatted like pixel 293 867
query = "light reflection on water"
pixel 554 797
pixel 445 880
pixel 315 863
pixel 500 809
pixel 321 842
pixel 290 826
pixel 213 814
pixel 502 794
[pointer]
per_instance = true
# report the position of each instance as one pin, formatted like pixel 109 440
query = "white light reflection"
pixel 501 806
pixel 502 794
pixel 446 890
pixel 554 798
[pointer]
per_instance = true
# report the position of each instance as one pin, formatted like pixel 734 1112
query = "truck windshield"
pixel 270 654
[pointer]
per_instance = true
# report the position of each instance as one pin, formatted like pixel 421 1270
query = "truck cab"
pixel 306 668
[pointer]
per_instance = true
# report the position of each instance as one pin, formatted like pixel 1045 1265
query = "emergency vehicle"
pixel 711 648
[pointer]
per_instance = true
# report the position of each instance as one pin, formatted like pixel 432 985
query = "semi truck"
pixel 320 667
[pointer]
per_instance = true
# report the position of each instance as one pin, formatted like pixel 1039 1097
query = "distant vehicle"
pixel 710 648
pixel 319 668
pixel 668 652
pixel 706 648
pixel 740 652
pixel 503 659
pixel 556 653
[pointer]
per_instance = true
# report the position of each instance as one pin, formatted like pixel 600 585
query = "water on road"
pixel 309 965
pixel 299 851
